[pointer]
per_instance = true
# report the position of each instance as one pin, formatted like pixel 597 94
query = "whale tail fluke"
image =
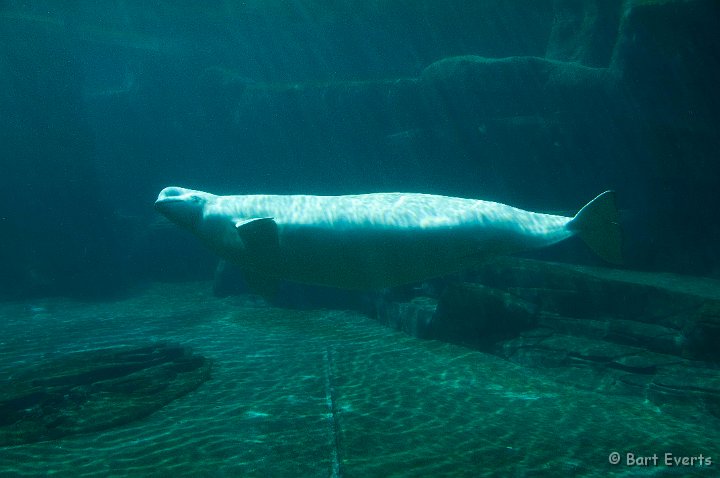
pixel 598 225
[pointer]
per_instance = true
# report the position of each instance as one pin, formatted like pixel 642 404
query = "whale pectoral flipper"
pixel 598 225
pixel 260 236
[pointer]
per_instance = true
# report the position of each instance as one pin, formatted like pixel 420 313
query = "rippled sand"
pixel 327 393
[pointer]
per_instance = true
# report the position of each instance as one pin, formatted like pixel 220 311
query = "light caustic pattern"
pixel 327 393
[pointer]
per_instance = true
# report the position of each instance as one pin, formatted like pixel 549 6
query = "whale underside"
pixel 373 259
pixel 374 241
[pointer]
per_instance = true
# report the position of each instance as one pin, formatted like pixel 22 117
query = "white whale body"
pixel 370 241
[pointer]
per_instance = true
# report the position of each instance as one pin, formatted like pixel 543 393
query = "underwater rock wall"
pixel 667 54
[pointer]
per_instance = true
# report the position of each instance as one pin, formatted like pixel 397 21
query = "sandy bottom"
pixel 328 393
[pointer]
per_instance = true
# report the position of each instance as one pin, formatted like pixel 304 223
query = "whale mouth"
pixel 163 204
pixel 167 200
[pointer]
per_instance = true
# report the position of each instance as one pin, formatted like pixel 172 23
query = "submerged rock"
pixel 702 332
pixel 653 335
pixel 467 314
pixel 413 317
pixel 95 390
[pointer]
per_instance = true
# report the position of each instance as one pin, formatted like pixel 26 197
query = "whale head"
pixel 182 206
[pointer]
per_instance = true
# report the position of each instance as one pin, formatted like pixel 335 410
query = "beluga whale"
pixel 374 241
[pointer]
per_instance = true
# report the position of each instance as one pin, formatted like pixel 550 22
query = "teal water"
pixel 329 393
